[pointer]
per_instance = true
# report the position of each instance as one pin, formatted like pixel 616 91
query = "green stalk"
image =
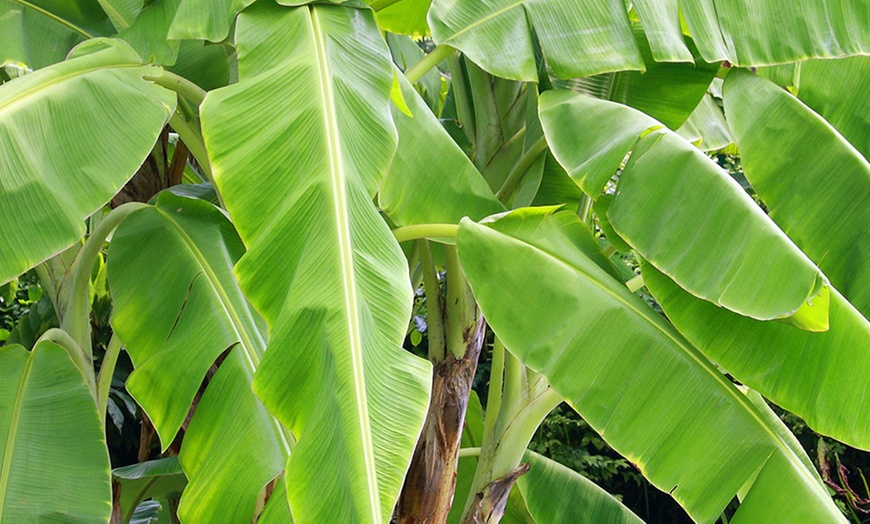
pixel 180 85
pixel 520 430
pixel 76 318
pixel 494 393
pixel 434 304
pixel 435 57
pixel 464 110
pixel 430 231
pixel 515 394
pixel 461 306
pixel 516 175
pixel 469 452
pixel 76 353
pixel 104 379
pixel 488 136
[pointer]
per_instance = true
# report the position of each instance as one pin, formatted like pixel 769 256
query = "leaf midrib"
pixel 741 399
pixel 13 430
pixel 340 202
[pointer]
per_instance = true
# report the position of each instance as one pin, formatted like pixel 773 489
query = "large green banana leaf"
pixel 54 466
pixel 71 135
pixel 172 265
pixel 577 37
pixel 681 211
pixel 630 374
pixel 447 188
pixel 816 186
pixel 839 91
pixel 554 493
pixel 38 33
pixel 122 13
pixel 298 148
pixel 754 33
pixel 821 377
pixel 668 92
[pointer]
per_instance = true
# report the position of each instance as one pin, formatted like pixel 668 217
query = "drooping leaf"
pixel 554 493
pixel 430 179
pixel 43 32
pixel 51 123
pixel 638 383
pixel 668 92
pixel 172 265
pixel 577 37
pixel 54 466
pixel 816 186
pixel 322 266
pixel 819 376
pixel 838 90
pixel 752 33
pixel 723 249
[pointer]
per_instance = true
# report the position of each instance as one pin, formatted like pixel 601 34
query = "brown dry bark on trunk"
pixel 428 492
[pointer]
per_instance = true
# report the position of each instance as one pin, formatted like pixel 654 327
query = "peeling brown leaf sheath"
pixel 117 515
pixel 428 491
pixel 146 435
pixel 489 504
pixel 264 496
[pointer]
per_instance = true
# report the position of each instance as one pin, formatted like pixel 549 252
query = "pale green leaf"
pixel 430 179
pixel 822 377
pixel 54 466
pixel 554 493
pixel 816 186
pixel 311 117
pixel 753 33
pixel 577 37
pixel 632 377
pixel 52 122
pixel 723 249
pixel 204 64
pixel 172 264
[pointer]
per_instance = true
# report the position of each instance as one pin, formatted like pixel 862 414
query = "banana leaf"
pixel 54 466
pixel 322 266
pixel 51 178
pixel 172 265
pixel 651 395
pixel 681 212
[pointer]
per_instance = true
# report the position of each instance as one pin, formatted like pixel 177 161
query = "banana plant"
pixel 321 162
